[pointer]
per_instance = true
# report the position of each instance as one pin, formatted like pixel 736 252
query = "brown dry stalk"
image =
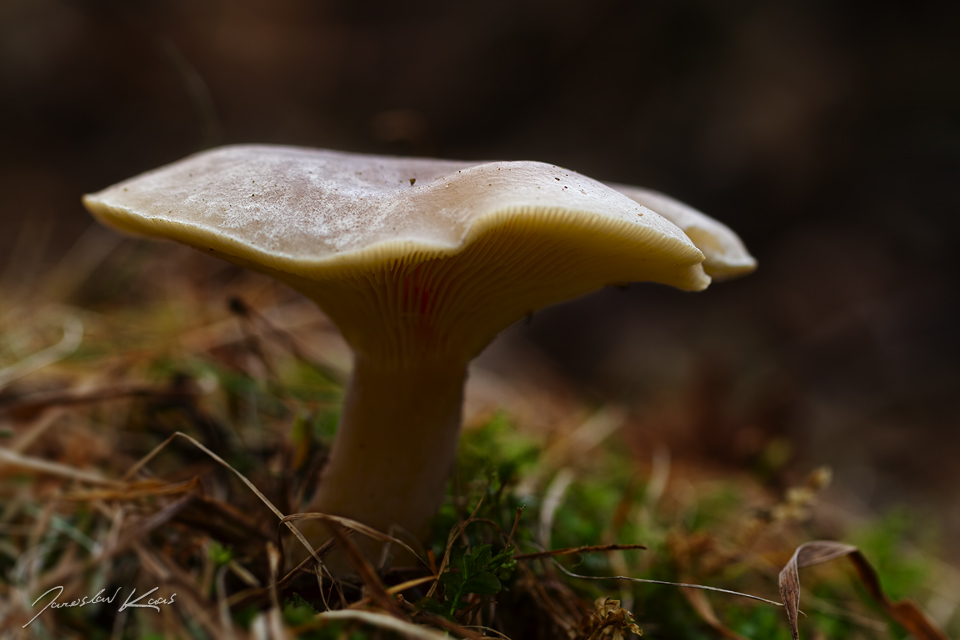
pixel 698 600
pixel 600 548
pixel 378 593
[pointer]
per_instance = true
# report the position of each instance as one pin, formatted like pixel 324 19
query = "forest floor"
pixel 159 410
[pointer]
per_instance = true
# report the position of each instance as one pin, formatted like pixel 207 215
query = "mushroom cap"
pixel 452 251
pixel 725 256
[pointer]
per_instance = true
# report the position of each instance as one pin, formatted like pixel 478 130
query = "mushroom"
pixel 420 263
pixel 725 256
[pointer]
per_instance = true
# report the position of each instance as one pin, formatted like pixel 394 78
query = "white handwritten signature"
pixel 152 603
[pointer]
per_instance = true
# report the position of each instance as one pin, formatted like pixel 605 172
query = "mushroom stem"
pixel 395 446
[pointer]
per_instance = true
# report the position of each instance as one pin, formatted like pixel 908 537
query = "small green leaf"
pixel 456 557
pixel 452 581
pixel 429 604
pixel 219 554
pixel 483 583
pixel 506 570
pixel 296 600
pixel 482 555
pixel 500 559
pixel 297 611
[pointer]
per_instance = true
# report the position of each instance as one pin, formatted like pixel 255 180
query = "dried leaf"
pixel 905 612
pixel 607 616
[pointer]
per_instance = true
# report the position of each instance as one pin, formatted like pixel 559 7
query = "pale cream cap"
pixel 435 253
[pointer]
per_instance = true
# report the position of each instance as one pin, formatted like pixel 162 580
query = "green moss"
pixel 758 622
pixel 308 383
pixel 891 544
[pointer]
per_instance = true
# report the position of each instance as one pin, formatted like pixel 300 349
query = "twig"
pixel 601 548
pixel 670 584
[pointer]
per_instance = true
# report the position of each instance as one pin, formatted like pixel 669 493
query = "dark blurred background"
pixel 827 133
